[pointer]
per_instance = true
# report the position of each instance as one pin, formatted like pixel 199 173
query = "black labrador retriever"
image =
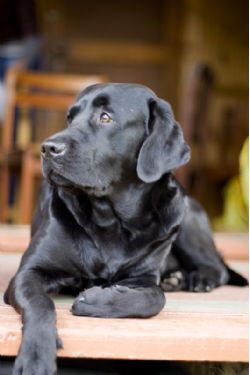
pixel 109 214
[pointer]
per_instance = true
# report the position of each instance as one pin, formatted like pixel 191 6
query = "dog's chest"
pixel 115 249
pixel 112 244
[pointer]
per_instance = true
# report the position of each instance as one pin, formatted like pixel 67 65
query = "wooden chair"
pixel 31 91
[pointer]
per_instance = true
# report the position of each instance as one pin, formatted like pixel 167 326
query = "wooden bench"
pixel 191 327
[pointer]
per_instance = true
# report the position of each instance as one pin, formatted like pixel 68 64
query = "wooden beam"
pixel 62 82
pixel 46 101
pixel 122 52
pixel 192 327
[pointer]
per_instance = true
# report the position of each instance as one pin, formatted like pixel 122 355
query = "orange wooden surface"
pixel 192 326
pixel 203 334
pixel 69 82
pixel 45 101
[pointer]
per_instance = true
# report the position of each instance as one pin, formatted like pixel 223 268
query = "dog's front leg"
pixel 37 353
pixel 120 300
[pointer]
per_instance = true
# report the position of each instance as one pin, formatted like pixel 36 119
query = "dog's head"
pixel 116 132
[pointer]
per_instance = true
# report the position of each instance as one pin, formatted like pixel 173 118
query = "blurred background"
pixel 192 53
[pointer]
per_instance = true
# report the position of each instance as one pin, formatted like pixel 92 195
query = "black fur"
pixel 109 214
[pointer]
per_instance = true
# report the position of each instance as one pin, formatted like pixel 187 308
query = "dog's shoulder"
pixel 170 201
pixel 42 207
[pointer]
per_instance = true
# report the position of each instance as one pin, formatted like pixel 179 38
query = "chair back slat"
pixel 40 90
pixel 57 82
pixel 44 101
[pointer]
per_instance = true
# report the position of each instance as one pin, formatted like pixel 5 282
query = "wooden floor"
pixel 197 328
pixel 191 327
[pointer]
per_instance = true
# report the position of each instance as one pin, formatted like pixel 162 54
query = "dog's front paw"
pixel 100 302
pixel 37 354
pixel 91 301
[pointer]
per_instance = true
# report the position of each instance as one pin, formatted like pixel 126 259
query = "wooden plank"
pixel 125 52
pixel 207 333
pixel 192 326
pixel 14 238
pixel 53 82
pixel 44 101
pixel 233 246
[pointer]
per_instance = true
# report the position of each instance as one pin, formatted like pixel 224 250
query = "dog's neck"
pixel 132 202
pixel 129 201
pixel 126 207
pixel 136 203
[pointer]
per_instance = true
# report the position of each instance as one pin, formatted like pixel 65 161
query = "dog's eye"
pixel 105 118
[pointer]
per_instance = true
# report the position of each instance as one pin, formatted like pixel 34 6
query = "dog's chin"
pixel 57 179
pixel 96 191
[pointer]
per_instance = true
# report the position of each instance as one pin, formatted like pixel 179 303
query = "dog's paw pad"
pixel 77 307
pixel 81 299
pixel 87 300
pixel 173 282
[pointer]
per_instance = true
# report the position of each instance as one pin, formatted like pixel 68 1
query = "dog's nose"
pixel 52 149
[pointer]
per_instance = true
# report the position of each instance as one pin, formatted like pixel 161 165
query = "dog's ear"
pixel 164 149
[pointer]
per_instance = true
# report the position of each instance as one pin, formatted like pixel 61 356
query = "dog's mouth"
pixel 97 191
pixel 57 179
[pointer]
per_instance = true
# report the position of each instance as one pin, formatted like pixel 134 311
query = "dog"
pixel 113 226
